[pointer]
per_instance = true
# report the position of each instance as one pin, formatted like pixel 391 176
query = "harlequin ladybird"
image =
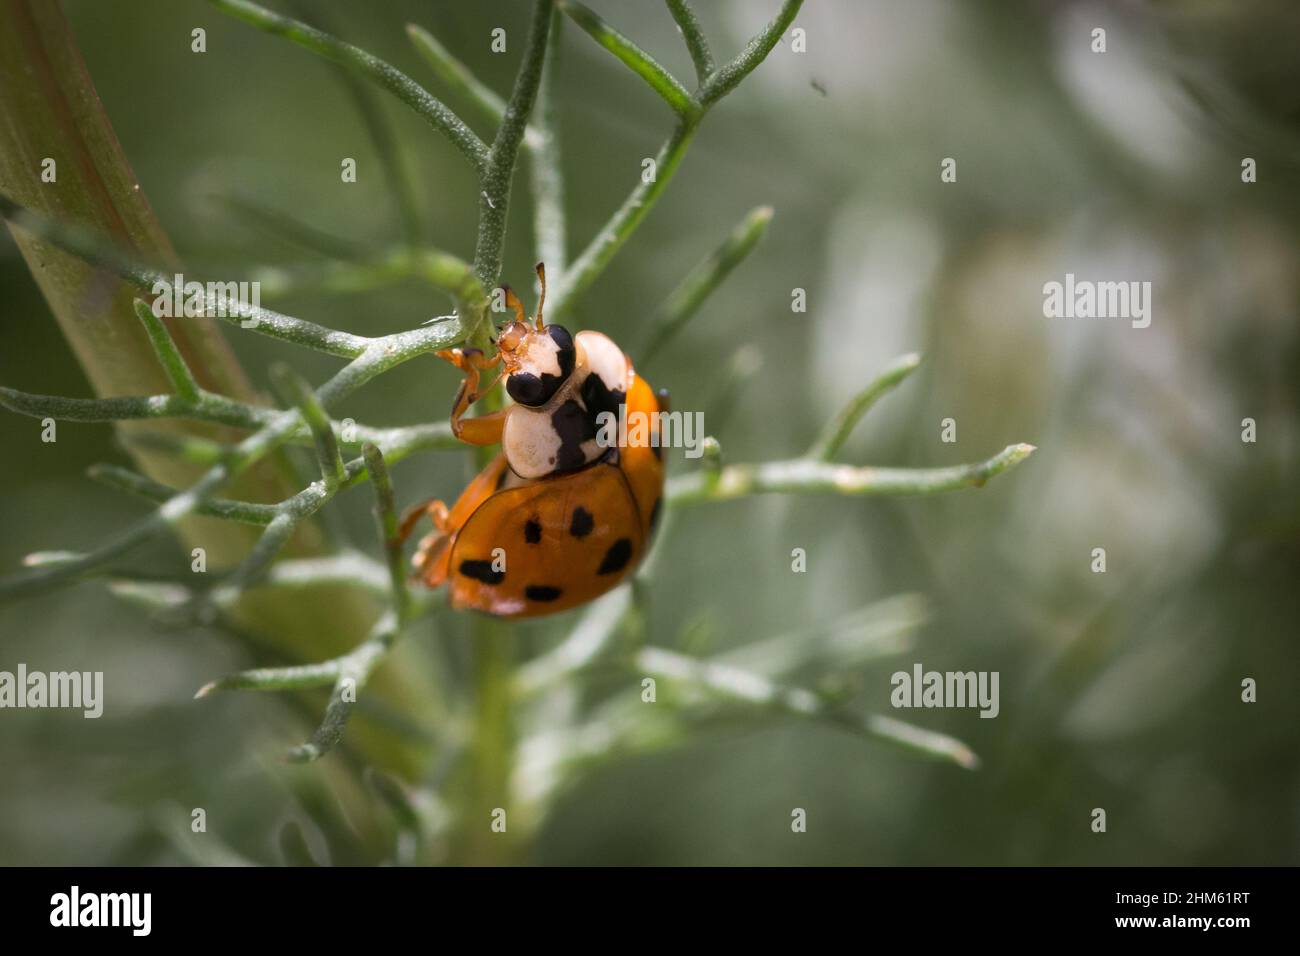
pixel 556 519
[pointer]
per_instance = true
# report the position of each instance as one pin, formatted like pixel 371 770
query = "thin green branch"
pixel 124 479
pixel 588 640
pixel 346 569
pixel 841 426
pixel 700 283
pixel 288 228
pixel 744 364
pixel 192 448
pixel 354 670
pixel 301 677
pixel 736 685
pixel 386 516
pixel 369 66
pixel 349 567
pixel 98 409
pixel 387 149
pixel 216 303
pixel 636 59
pixel 727 77
pixel 693 34
pixel 295 388
pixel 455 74
pixel 274 537
pixel 591 262
pixel 838 647
pixel 398 442
pixel 809 476
pixel 498 170
pixel 380 356
pixel 433 267
pixel 178 373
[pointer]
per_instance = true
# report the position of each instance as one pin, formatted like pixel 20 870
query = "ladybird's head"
pixel 537 358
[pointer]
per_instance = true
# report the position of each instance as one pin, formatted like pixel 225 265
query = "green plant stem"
pixel 700 283
pixel 368 66
pixel 399 441
pixel 588 640
pixel 591 262
pixel 388 150
pixel 456 75
pixel 287 227
pixel 839 428
pixel 636 59
pixel 727 77
pixel 123 479
pixel 178 373
pixel 746 687
pixel 692 33
pixel 380 355
pixel 440 269
pixel 354 669
pixel 328 456
pixel 498 170
pixel 809 476
pixel 386 518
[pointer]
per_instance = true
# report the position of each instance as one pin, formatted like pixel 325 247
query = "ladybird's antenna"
pixel 541 299
pixel 513 302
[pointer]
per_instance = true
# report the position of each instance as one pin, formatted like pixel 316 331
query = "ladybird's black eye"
pixel 533 389
pixel 527 389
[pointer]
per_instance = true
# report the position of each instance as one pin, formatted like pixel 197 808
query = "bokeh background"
pixel 1118 690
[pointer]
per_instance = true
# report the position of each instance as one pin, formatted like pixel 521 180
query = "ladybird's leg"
pixel 412 515
pixel 483 430
pixel 433 558
pixel 486 429
pixel 430 558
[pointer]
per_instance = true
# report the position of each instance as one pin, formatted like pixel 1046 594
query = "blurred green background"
pixel 1118 690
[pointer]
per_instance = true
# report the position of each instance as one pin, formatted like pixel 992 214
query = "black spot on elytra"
pixel 541 592
pixel 573 427
pixel 616 558
pixel 654 514
pixel 582 522
pixel 481 571
pixel 532 531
